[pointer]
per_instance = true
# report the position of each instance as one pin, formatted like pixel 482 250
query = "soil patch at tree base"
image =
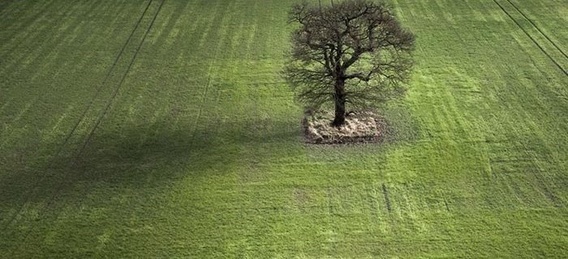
pixel 359 127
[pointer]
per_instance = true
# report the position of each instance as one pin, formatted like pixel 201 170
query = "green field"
pixel 162 128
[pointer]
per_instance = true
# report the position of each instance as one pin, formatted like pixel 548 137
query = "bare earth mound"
pixel 360 127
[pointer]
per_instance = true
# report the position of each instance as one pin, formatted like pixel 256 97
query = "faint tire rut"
pixel 540 44
pixel 75 143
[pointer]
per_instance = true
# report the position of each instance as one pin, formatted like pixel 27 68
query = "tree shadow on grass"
pixel 131 156
pixel 139 157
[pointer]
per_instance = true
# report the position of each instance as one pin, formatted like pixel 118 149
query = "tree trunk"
pixel 339 103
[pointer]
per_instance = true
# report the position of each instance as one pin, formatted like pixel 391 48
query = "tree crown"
pixel 356 45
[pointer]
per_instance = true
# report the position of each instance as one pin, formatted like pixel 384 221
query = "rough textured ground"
pixel 162 129
pixel 359 127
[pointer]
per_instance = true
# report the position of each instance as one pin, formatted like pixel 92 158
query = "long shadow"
pixel 135 157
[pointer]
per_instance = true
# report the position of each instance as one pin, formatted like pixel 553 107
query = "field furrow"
pixel 77 136
pixel 163 128
pixel 548 47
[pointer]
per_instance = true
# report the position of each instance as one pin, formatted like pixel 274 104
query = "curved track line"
pixel 101 86
pixel 91 133
pixel 27 195
pixel 116 90
pixel 209 69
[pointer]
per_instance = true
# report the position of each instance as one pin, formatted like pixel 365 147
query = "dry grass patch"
pixel 359 127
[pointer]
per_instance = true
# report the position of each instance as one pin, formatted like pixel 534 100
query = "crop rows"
pixel 97 107
pixel 537 36
pixel 162 128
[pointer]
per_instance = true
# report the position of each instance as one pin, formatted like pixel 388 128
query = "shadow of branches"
pixel 142 156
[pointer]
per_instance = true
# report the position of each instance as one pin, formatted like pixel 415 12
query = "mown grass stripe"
pixel 43 41
pixel 27 195
pixel 247 187
pixel 51 200
pixel 30 19
pixel 119 85
pixel 220 35
pixel 208 25
pixel 565 71
pixel 548 16
pixel 106 79
pixel 6 136
pixel 538 28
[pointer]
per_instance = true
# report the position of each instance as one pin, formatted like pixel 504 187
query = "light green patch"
pixel 198 151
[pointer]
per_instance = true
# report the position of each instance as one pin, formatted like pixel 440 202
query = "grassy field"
pixel 161 128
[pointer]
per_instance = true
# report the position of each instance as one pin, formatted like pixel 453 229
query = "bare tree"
pixel 352 52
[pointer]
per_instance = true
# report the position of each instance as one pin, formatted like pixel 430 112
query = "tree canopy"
pixel 353 52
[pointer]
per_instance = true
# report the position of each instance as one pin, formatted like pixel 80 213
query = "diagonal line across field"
pixel 112 71
pixel 212 63
pixel 114 80
pixel 123 77
pixel 181 140
pixel 539 30
pixel 538 37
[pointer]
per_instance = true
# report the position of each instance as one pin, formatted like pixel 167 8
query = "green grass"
pixel 142 129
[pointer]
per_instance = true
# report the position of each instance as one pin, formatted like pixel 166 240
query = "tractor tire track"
pixel 209 76
pixel 387 199
pixel 103 112
pixel 119 86
pixel 107 76
pixel 28 195
pixel 224 12
pixel 539 30
pixel 531 37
